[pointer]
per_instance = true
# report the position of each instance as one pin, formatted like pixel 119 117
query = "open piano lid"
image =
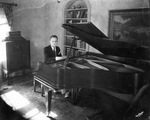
pixel 89 33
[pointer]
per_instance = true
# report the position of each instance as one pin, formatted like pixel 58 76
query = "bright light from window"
pixel 2 16
pixel 34 113
pixel 15 100
pixel 40 116
pixel 4 27
pixel 4 31
pixel 31 113
pixel 53 114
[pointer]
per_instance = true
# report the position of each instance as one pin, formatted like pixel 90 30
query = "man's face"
pixel 53 41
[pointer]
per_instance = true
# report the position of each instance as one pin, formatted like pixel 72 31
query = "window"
pixel 4 30
pixel 4 27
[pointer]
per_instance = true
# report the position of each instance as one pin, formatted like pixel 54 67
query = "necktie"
pixel 54 51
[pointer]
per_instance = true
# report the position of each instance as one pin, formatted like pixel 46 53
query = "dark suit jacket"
pixel 50 55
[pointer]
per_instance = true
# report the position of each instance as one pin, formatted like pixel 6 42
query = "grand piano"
pixel 120 71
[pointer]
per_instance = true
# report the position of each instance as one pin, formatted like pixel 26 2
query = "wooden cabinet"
pixel 16 54
pixel 76 13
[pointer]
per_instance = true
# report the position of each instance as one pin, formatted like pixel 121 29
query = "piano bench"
pixel 42 84
pixel 48 95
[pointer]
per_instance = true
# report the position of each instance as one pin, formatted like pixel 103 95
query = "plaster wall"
pixel 38 19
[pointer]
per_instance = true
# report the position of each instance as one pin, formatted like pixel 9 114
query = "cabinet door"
pixel 17 55
pixel 25 49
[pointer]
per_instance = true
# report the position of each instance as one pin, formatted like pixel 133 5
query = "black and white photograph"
pixel 74 59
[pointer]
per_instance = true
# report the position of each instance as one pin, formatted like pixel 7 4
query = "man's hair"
pixel 53 36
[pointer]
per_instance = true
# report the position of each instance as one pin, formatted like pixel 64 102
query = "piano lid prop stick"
pixel 67 59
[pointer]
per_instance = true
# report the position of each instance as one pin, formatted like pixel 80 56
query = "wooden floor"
pixel 15 104
pixel 13 99
pixel 34 109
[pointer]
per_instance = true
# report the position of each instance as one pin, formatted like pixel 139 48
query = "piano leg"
pixel 42 90
pixel 136 83
pixel 48 98
pixel 34 84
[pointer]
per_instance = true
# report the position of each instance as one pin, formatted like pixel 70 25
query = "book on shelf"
pixel 68 15
pixel 72 53
pixel 78 43
pixel 67 50
pixel 82 14
pixel 85 14
pixel 73 14
pixel 75 43
pixel 82 45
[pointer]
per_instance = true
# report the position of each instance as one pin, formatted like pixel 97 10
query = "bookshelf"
pixel 75 14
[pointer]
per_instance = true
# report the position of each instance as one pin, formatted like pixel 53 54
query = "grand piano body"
pixel 120 72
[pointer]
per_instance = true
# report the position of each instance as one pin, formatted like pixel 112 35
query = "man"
pixel 52 51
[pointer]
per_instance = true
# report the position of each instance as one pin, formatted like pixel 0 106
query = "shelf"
pixel 78 43
pixel 81 49
pixel 77 9
pixel 75 21
pixel 74 52
pixel 71 36
pixel 75 14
